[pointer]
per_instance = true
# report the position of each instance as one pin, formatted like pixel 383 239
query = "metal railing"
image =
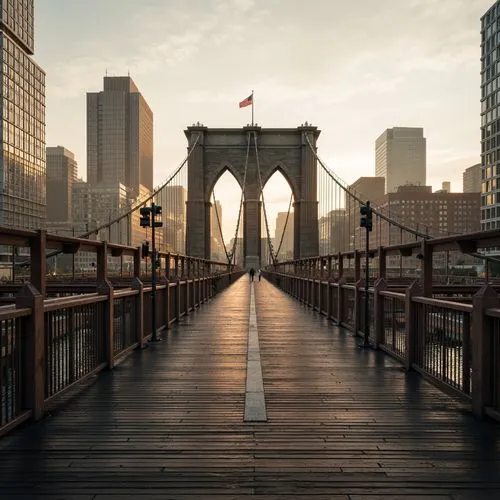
pixel 50 345
pixel 454 345
pixel 11 365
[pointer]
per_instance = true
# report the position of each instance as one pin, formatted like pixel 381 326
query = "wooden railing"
pixel 50 345
pixel 454 345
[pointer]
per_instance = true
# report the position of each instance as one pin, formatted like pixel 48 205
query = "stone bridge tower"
pixel 286 150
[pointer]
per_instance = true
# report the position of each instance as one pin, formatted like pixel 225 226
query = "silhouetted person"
pixel 259 273
pixel 252 273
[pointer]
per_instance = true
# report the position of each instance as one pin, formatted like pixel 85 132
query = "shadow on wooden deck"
pixel 343 423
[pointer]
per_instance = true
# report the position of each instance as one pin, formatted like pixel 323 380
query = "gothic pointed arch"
pixel 283 149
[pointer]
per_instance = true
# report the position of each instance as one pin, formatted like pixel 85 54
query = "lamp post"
pixel 148 215
pixel 366 222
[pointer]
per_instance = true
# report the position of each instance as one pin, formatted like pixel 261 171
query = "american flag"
pixel 247 101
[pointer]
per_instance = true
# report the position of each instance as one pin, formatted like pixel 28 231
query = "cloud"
pixel 352 68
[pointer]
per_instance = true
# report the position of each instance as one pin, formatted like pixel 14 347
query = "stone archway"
pixel 218 150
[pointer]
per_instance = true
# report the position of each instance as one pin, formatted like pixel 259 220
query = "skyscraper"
pixel 119 136
pixel 62 173
pixel 217 247
pixel 172 199
pixel 400 157
pixel 22 114
pixel 284 234
pixel 472 179
pixel 490 120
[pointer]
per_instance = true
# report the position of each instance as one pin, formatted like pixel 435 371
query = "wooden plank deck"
pixel 343 423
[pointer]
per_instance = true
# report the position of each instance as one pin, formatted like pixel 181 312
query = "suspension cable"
pixel 228 256
pixel 235 241
pixel 138 204
pixel 284 228
pixel 271 249
pixel 402 227
pixel 353 195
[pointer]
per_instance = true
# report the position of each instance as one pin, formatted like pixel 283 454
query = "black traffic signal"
pixel 366 216
pixel 145 216
pixel 145 249
pixel 157 212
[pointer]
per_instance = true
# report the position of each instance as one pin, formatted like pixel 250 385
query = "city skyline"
pixel 403 74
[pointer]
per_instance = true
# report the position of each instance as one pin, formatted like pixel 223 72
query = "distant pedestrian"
pixel 251 273
pixel 259 273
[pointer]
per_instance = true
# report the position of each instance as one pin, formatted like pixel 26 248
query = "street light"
pixel 366 222
pixel 148 215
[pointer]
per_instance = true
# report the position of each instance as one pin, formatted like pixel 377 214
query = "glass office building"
pixel 22 120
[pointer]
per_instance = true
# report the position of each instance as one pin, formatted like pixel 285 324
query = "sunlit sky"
pixel 351 68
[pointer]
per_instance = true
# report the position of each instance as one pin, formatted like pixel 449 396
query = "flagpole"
pixel 252 108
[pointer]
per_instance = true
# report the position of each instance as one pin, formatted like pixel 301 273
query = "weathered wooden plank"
pixel 342 423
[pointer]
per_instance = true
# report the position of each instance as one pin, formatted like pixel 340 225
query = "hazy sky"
pixel 353 68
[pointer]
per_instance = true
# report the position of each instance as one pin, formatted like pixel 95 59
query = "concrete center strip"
pixel 255 403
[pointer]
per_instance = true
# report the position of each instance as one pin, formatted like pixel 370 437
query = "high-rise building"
pixel 437 214
pixel 490 120
pixel 367 189
pixel 238 246
pixel 173 202
pixel 400 157
pixel 217 241
pixel 22 115
pixel 119 136
pixel 62 173
pixel 472 179
pixel 332 232
pixel 265 253
pixel 283 235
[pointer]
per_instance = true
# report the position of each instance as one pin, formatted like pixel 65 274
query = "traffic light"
pixel 145 249
pixel 157 212
pixel 145 216
pixel 366 216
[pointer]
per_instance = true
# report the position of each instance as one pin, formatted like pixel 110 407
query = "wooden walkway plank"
pixel 342 423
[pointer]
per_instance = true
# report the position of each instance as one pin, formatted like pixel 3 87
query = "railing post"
pixel 137 263
pixel 178 301
pixel 378 310
pixel 357 265
pixel 481 335
pixel 205 287
pixel 427 270
pixel 328 298
pixel 33 378
pixel 38 261
pixel 340 301
pixel 412 324
pixel 319 295
pixel 382 263
pixel 358 306
pixel 138 285
pixel 167 304
pixel 167 266
pixel 102 262
pixel 340 266
pixel 187 296
pixel 106 288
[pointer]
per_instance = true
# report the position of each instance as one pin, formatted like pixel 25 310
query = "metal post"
pixel 366 211
pixel 154 337
pixel 367 286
